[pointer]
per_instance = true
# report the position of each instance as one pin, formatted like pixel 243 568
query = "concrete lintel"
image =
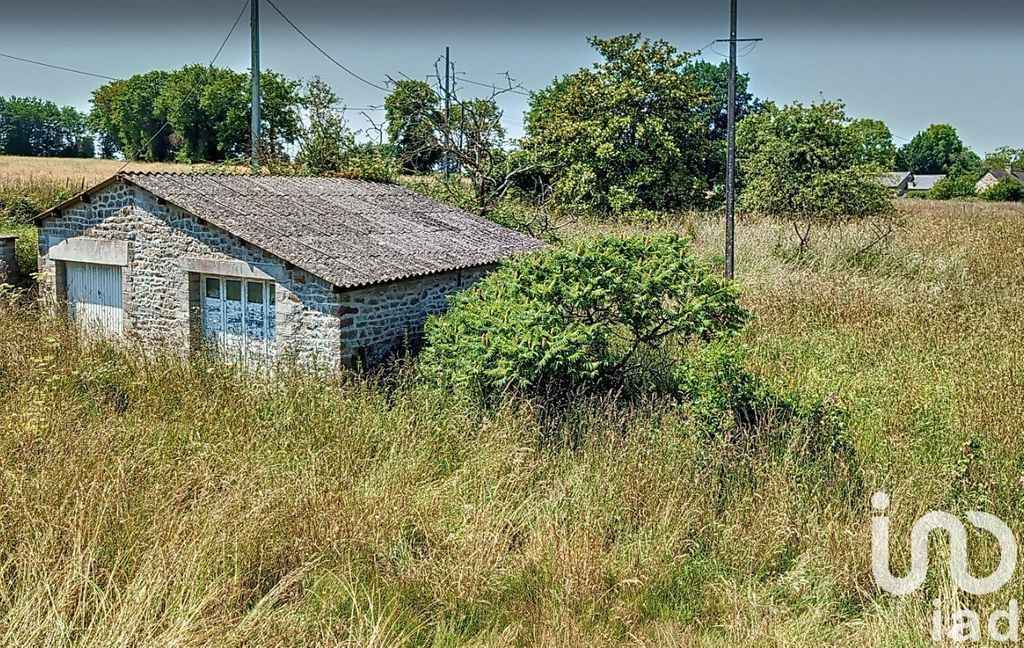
pixel 239 269
pixel 90 250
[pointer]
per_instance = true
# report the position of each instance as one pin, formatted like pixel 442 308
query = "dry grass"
pixel 153 502
pixel 76 173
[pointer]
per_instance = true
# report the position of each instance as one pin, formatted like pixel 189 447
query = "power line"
pixel 321 50
pixel 58 67
pixel 495 88
pixel 701 50
pixel 191 92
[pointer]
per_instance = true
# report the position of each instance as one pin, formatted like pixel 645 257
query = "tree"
pixel 181 104
pixel 952 186
pixel 875 141
pixel 206 111
pixel 412 111
pixel 1003 157
pixel 627 134
pixel 805 162
pixel 327 138
pixel 712 81
pixel 328 146
pixel 938 149
pixel 32 126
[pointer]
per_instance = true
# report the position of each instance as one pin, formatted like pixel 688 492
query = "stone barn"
pixel 326 270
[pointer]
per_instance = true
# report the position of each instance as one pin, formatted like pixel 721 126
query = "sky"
pixel 910 63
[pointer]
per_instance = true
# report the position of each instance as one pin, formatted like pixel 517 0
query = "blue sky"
pixel 911 64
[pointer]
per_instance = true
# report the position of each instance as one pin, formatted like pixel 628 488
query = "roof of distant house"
pixel 894 179
pixel 348 232
pixel 920 182
pixel 999 174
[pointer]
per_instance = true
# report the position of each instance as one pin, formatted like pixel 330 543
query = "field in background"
pixel 74 173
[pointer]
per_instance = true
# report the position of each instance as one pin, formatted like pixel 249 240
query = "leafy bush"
pixel 953 187
pixel 599 315
pixel 1005 190
pixel 369 162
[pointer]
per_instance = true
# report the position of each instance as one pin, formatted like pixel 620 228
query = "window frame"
pixel 268 312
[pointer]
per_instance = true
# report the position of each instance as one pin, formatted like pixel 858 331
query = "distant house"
pixel 904 182
pixel 332 270
pixel 993 176
pixel 897 181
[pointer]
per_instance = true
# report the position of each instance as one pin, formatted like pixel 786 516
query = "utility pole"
pixel 254 24
pixel 447 112
pixel 730 162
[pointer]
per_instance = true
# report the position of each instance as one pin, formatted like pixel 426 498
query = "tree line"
pixel 641 130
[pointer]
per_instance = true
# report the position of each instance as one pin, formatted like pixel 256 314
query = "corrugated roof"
pixel 924 182
pixel 348 232
pixel 895 179
pixel 999 174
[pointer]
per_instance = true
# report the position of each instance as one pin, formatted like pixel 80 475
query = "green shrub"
pixel 1005 190
pixel 953 187
pixel 603 314
pixel 368 162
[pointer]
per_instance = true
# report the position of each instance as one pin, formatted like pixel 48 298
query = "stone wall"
pixel 158 305
pixel 389 318
pixel 986 181
pixel 8 260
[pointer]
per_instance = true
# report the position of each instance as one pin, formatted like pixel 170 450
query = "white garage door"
pixel 94 297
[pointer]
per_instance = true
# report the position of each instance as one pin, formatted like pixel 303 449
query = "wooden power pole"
pixel 447 112
pixel 254 23
pixel 730 162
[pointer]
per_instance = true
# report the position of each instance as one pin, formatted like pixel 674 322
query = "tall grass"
pixel 153 501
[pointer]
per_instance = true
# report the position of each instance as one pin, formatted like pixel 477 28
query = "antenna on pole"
pixel 730 162
pixel 254 23
pixel 447 113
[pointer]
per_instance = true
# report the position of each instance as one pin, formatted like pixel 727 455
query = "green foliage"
pixel 950 187
pixel 1007 189
pixel 807 162
pixel 634 132
pixel 412 111
pixel 369 162
pixel 594 316
pixel 206 109
pixel 26 247
pixel 938 149
pixel 31 126
pixel 1003 157
pixel 328 147
pixel 327 138
pixel 875 141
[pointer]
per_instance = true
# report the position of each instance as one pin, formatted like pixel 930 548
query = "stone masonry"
pixel 8 260
pixel 389 318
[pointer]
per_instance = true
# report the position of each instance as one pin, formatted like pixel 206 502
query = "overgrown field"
pixel 158 502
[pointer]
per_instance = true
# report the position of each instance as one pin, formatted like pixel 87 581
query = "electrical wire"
pixel 494 87
pixel 57 67
pixel 321 50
